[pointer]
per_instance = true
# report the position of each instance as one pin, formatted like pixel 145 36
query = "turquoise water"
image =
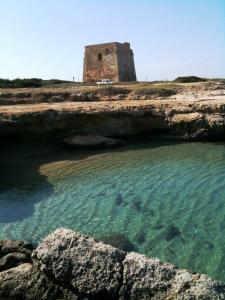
pixel 168 200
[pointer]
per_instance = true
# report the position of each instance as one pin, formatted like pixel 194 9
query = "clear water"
pixel 167 199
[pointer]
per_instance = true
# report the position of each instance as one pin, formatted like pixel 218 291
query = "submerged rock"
pixel 92 141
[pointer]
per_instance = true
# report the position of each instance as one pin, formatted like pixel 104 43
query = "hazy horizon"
pixel 169 38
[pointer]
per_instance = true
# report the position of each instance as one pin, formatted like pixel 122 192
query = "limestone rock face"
pixel 91 267
pixel 92 141
pixel 171 118
pixel 13 253
pixel 27 283
pixel 9 246
pixel 12 260
pixel 148 278
pixel 188 285
pixel 71 266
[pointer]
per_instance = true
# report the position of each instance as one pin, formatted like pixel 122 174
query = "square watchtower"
pixel 109 61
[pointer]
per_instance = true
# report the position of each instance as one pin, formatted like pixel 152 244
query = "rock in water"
pixel 91 267
pixel 92 141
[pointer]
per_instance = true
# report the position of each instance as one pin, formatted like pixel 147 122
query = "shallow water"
pixel 167 199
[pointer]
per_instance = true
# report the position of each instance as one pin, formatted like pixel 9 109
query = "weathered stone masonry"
pixel 109 61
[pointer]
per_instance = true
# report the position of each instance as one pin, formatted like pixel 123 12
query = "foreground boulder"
pixel 148 278
pixel 92 141
pixel 26 282
pixel 68 265
pixel 91 267
pixel 13 253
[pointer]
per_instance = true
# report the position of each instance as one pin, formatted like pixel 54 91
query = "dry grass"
pixel 74 87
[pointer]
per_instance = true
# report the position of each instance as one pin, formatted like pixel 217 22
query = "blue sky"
pixel 170 38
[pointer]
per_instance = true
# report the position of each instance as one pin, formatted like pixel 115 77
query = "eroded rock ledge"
pixel 68 265
pixel 202 119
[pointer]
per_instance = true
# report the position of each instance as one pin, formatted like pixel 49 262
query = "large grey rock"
pixel 13 253
pixel 9 246
pixel 68 265
pixel 188 285
pixel 27 283
pixel 91 267
pixel 148 278
pixel 145 278
pixel 12 260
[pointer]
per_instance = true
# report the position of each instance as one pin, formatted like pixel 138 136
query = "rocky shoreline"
pixel 195 111
pixel 176 120
pixel 69 265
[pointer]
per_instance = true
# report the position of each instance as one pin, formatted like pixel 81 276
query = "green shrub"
pixel 189 79
pixel 26 83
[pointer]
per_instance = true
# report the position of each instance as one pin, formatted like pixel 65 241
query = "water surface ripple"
pixel 167 199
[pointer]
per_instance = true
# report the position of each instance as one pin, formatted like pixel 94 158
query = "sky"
pixel 170 38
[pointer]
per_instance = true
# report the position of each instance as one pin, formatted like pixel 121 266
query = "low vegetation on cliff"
pixel 29 83
pixel 156 91
pixel 54 91
pixel 189 79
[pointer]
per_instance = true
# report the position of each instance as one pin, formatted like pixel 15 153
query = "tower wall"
pixel 109 61
pixel 125 60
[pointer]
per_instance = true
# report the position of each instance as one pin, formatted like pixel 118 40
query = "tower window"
pixel 108 51
pixel 99 56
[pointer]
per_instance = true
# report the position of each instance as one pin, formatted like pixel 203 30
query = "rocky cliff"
pixel 178 111
pixel 68 265
pixel 174 119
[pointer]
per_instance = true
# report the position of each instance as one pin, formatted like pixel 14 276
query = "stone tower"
pixel 109 61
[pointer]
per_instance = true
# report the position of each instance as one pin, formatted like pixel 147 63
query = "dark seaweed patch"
pixel 119 199
pixel 171 252
pixel 209 245
pixel 172 232
pixel 140 237
pixel 101 194
pixel 137 205
pixel 151 212
pixel 158 226
pixel 120 241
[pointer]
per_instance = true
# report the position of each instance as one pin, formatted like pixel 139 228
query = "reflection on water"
pixel 163 200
